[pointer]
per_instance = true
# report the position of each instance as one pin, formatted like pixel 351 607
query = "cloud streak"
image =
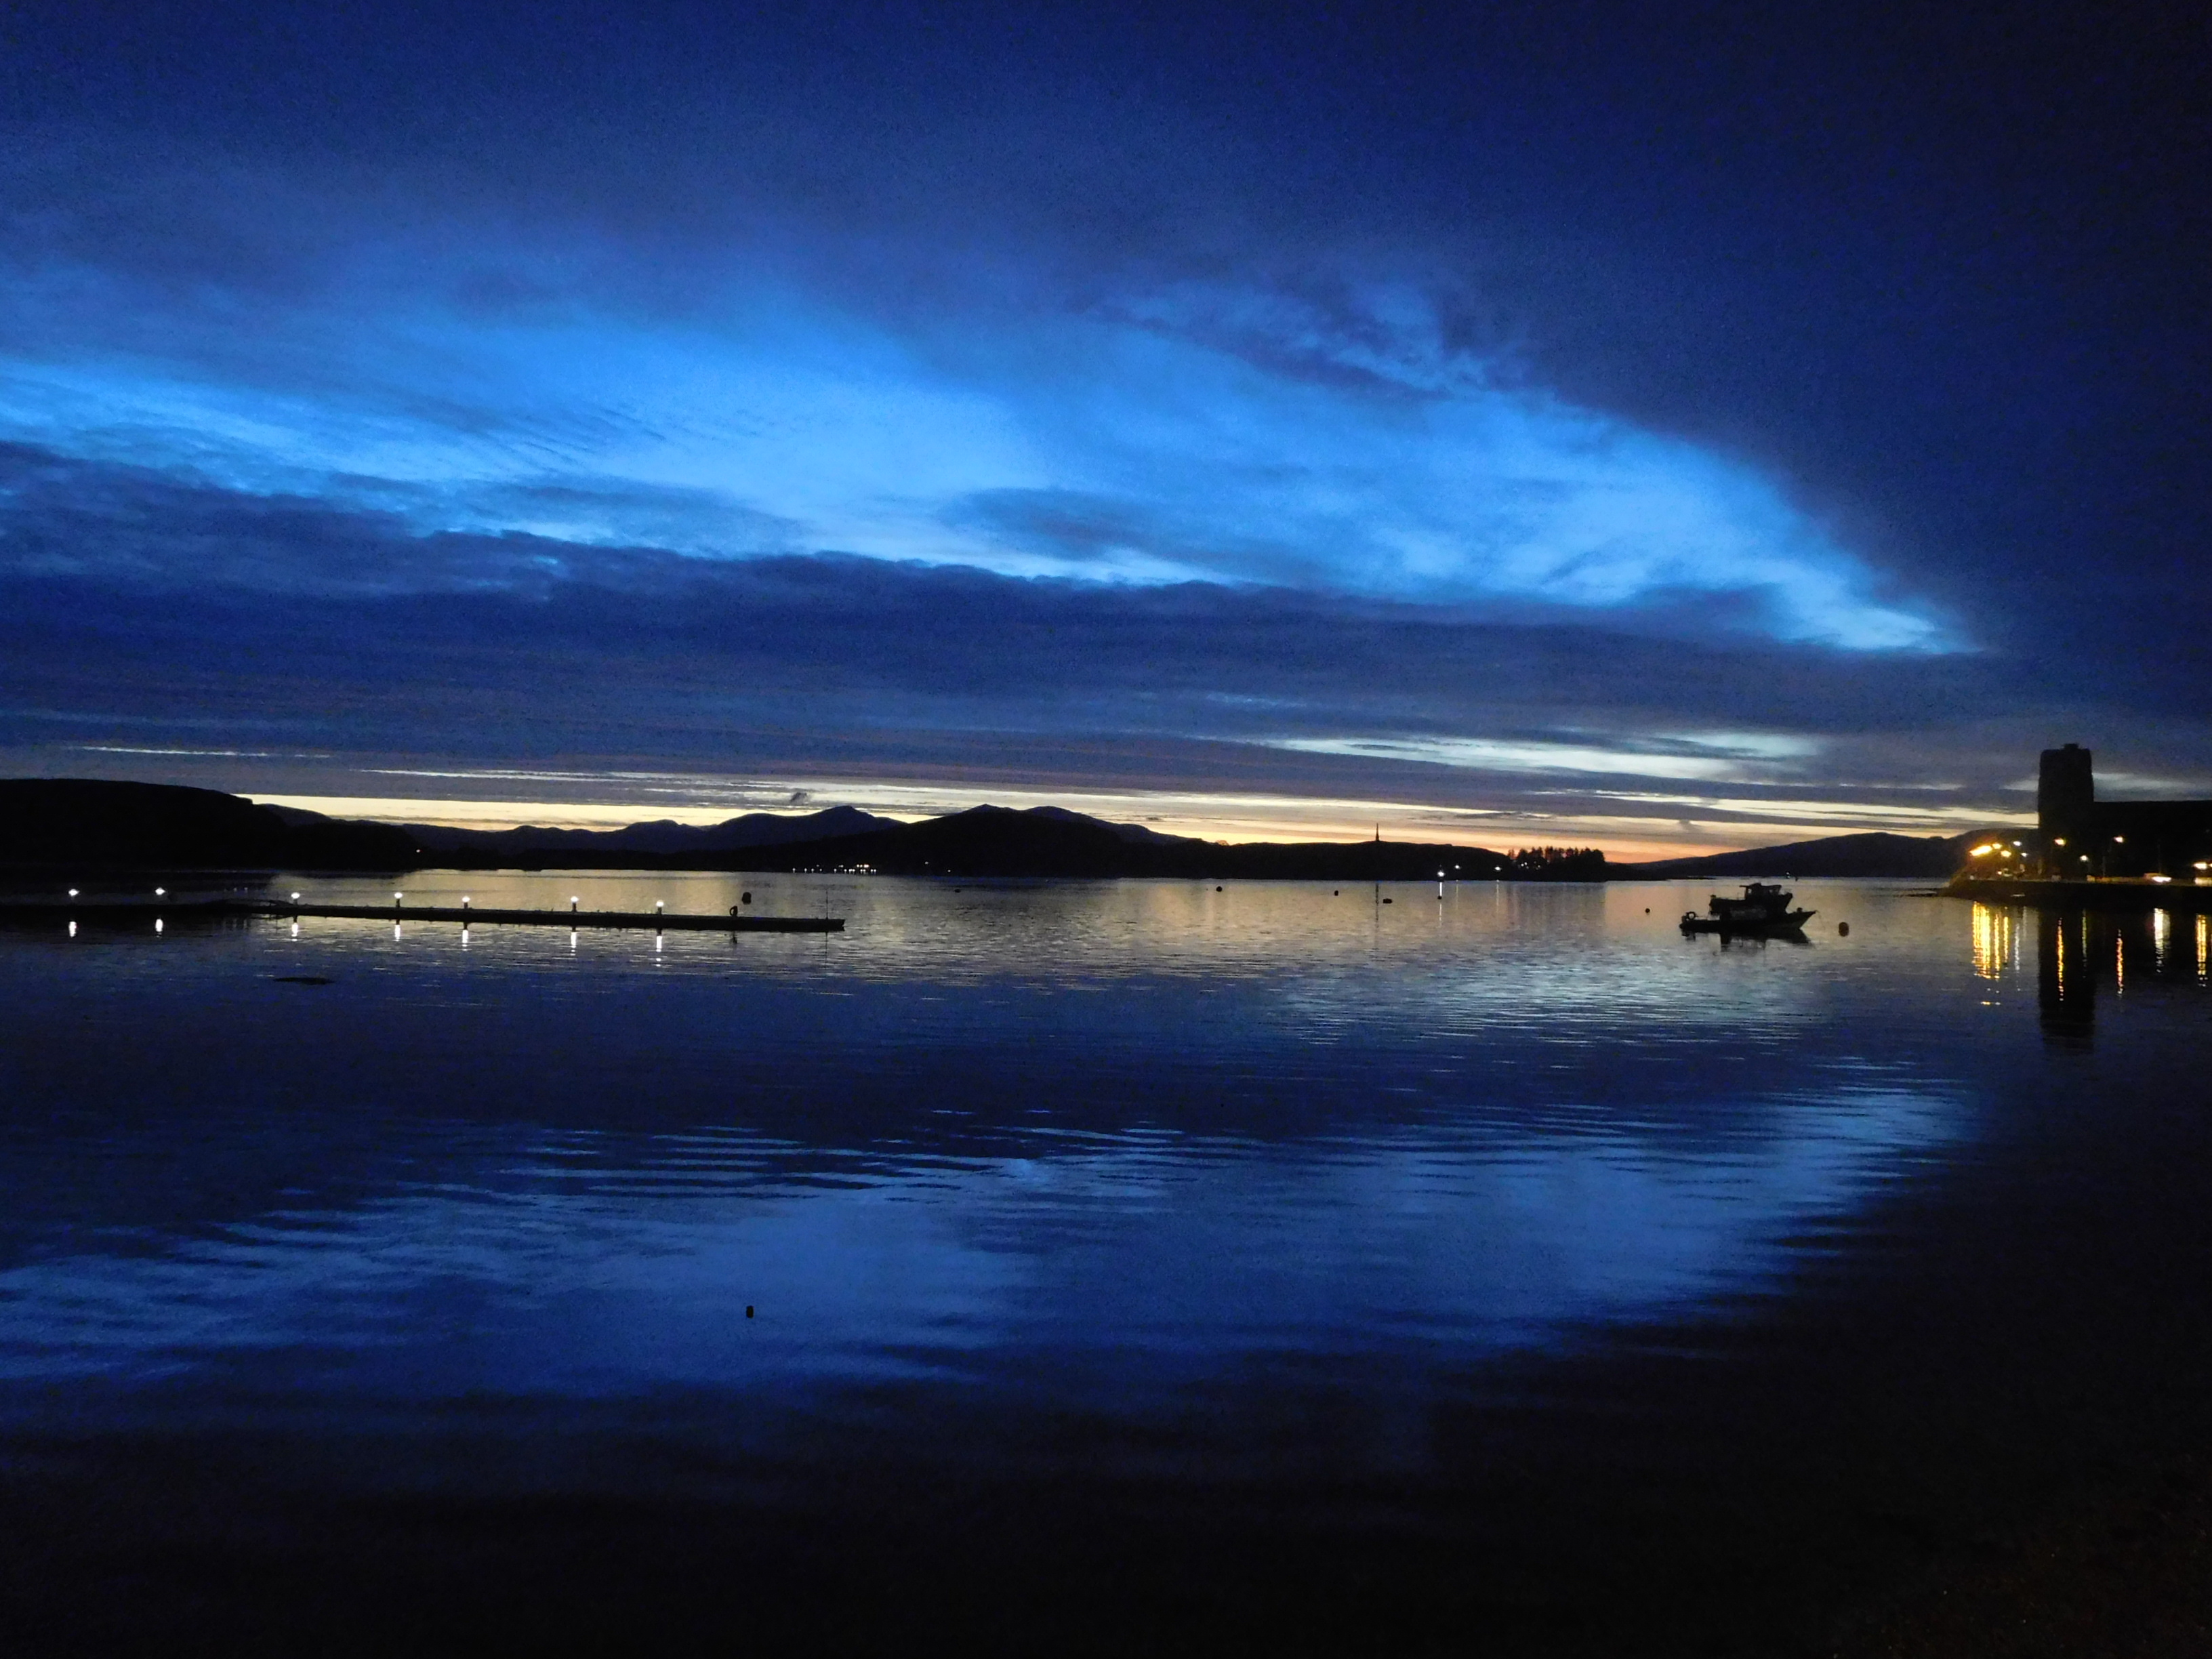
pixel 143 615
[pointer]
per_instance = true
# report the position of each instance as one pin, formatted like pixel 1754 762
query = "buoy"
pixel 1844 929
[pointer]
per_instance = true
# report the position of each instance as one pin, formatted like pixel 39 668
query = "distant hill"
pixel 982 841
pixel 74 824
pixel 660 837
pixel 89 823
pixel 1933 858
pixel 1051 841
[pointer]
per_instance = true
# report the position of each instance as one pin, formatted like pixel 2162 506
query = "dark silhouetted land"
pixel 84 825
pixel 1932 857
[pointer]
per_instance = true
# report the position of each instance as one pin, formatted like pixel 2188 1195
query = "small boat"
pixel 1763 911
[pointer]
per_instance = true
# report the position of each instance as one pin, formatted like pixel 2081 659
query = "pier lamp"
pixel 572 903
pixel 464 905
pixel 396 897
pixel 73 891
pixel 659 905
pixel 161 892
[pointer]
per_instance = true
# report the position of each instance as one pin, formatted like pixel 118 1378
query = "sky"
pixel 1661 428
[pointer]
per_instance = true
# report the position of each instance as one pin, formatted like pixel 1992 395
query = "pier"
pixel 2132 894
pixel 114 913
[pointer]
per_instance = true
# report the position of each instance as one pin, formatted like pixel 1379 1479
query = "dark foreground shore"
pixel 161 1554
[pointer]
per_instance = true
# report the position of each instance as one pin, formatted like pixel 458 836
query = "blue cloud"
pixel 1337 437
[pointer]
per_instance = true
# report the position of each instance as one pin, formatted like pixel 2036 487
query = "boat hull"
pixel 1790 926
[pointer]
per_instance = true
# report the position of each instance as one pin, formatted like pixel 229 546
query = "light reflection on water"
pixel 1126 1138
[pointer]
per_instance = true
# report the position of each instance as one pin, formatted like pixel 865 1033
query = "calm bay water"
pixel 1253 1183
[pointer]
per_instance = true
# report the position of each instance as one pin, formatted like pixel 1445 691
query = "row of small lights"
pixel 659 905
pixel 2202 865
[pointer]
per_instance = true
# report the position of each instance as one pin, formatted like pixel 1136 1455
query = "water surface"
pixel 1254 1182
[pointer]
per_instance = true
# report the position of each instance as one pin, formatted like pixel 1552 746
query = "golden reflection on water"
pixel 1997 941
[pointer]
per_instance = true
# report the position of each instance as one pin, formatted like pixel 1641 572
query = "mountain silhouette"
pixel 1933 858
pixel 89 823
pixel 662 837
pixel 82 824
pixel 1050 840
